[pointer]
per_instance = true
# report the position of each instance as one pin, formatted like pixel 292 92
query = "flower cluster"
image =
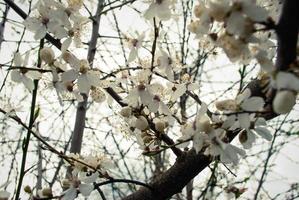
pixel 63 21
pixel 236 25
pixel 241 113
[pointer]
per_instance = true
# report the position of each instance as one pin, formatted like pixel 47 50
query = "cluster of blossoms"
pixel 71 77
pixel 235 20
pixel 86 171
pixel 231 25
pixel 241 113
pixel 210 139
pixel 63 21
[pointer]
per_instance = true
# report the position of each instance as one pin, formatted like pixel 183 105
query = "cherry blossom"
pixel 134 45
pixel 23 75
pixel 160 9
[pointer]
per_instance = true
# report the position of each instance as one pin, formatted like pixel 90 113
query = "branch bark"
pixel 77 135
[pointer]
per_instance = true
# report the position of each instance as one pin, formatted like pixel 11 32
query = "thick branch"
pixel 287 34
pixel 76 142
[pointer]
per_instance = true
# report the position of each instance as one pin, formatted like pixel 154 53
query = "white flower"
pixel 85 187
pixel 284 101
pixel 243 102
pixel 85 76
pixel 235 49
pixel 159 9
pixel 155 103
pixel 227 152
pixel 176 90
pixel 197 131
pixel 134 45
pixel 23 75
pixel 75 31
pixel 67 90
pixel 165 65
pixel 48 19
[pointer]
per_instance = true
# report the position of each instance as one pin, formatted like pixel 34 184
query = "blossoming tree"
pixel 95 106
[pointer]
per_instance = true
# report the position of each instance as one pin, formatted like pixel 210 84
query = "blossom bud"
pixel 226 105
pixel 47 55
pixel 160 126
pixel 284 102
pixel 141 123
pixel 198 10
pixel 98 95
pixel 126 111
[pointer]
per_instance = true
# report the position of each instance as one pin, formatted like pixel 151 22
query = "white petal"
pixel 264 133
pixel 255 13
pixel 66 44
pixel 229 155
pixel 16 76
pixel 69 75
pixel 244 95
pixel 150 12
pixel 34 74
pixel 28 83
pixel 198 142
pixel 40 33
pixel 244 120
pixel 286 80
pixel 229 122
pixel 83 84
pixel 18 60
pixel 163 109
pixel 86 189
pixel 180 90
pixel 260 122
pixel 253 104
pixel 70 194
pixel 94 77
pixel 32 24
pixel 153 106
pixel 132 55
